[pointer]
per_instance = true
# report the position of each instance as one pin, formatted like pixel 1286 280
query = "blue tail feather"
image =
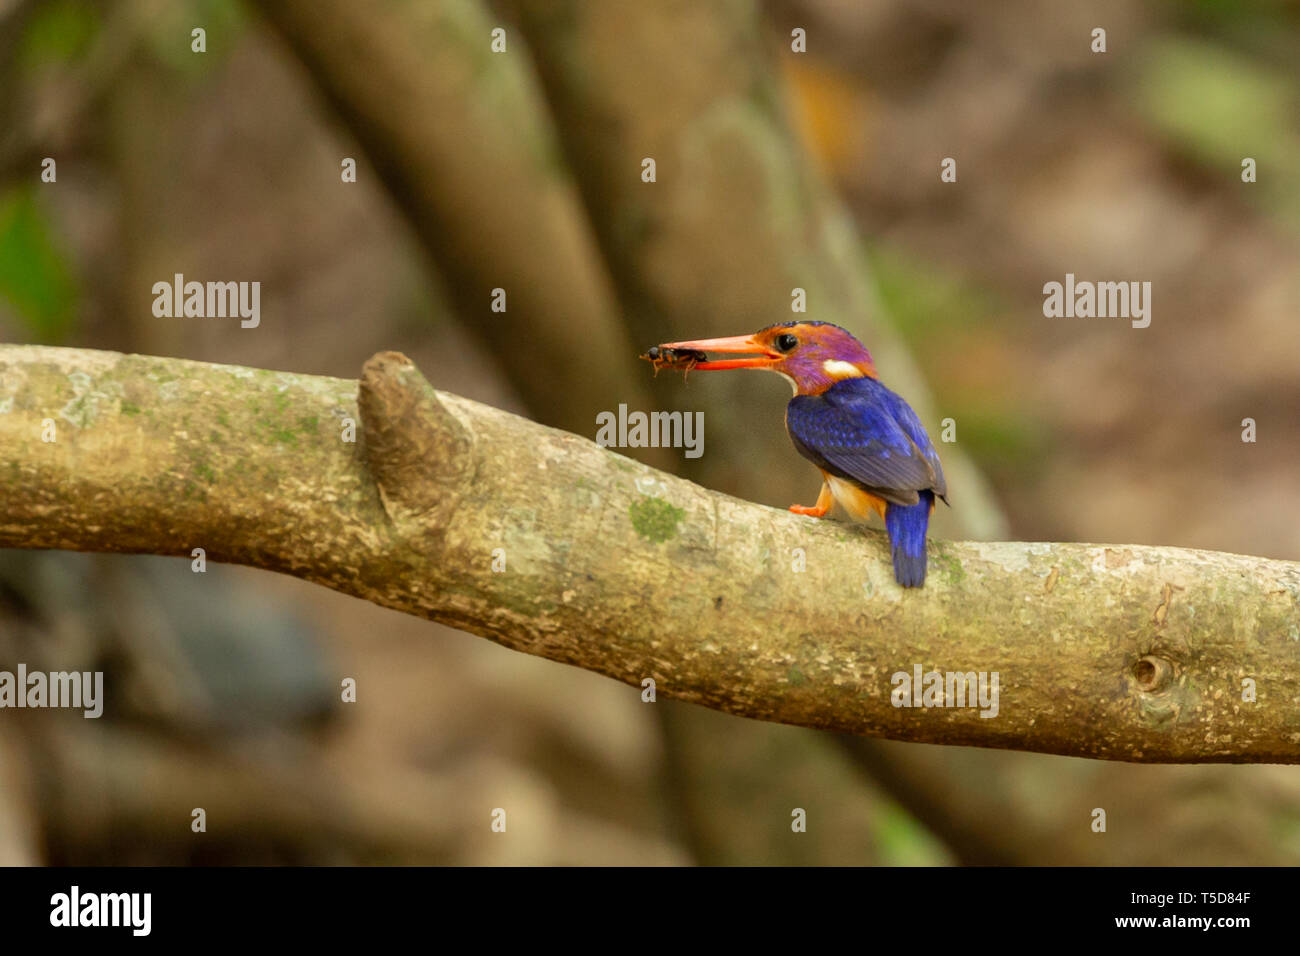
pixel 907 525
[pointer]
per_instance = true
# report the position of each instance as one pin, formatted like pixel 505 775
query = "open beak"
pixel 757 355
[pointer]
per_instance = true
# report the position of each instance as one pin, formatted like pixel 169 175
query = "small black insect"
pixel 663 357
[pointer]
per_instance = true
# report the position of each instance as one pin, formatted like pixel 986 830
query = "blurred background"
pixel 521 170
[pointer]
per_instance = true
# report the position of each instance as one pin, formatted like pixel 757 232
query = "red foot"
pixel 813 511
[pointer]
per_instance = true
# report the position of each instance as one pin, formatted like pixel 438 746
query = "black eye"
pixel 786 342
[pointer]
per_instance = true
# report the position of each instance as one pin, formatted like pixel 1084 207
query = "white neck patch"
pixel 841 370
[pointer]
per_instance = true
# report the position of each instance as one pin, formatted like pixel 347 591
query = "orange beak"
pixel 758 355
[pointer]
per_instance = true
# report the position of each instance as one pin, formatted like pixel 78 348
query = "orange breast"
pixel 854 500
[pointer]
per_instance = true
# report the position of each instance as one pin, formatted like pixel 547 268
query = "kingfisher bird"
pixel 873 451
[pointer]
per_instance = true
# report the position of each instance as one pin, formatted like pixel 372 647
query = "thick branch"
pixel 1129 653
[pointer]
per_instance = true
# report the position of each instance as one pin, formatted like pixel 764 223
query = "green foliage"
pixel 35 277
pixel 1216 102
pixel 170 40
pixel 1219 106
pixel 925 301
pixel 902 841
pixel 1005 437
pixel 60 31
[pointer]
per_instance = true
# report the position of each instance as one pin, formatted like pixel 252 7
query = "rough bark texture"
pixel 1121 652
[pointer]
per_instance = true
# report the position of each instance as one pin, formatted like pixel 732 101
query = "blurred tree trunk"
pixel 20 827
pixel 463 143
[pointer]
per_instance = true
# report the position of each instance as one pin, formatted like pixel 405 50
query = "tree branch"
pixel 1125 652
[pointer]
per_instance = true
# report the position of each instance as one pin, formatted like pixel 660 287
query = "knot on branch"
pixel 1152 673
pixel 417 451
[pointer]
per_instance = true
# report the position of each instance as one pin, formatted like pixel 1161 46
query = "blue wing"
pixel 860 430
